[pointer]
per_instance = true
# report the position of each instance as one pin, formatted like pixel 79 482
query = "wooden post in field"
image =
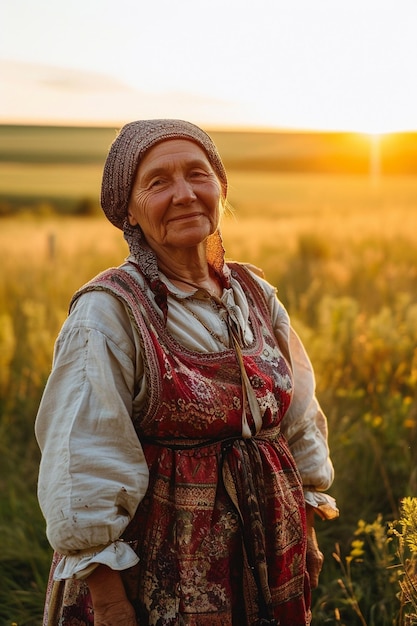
pixel 51 247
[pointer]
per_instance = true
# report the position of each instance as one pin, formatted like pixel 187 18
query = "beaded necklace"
pixel 211 332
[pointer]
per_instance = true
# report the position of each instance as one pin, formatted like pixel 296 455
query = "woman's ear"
pixel 131 218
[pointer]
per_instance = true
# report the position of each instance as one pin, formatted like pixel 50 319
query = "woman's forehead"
pixel 173 149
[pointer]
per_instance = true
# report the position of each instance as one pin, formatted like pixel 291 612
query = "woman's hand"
pixel 111 606
pixel 315 557
pixel 117 614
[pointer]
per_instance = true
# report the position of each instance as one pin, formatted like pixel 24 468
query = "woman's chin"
pixel 189 238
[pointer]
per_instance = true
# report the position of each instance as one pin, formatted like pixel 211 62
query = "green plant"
pixel 363 589
pixel 404 531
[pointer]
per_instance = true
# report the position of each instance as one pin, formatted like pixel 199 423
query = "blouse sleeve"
pixel 304 425
pixel 93 472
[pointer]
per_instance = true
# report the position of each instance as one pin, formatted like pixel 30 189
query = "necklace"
pixel 210 331
pixel 211 291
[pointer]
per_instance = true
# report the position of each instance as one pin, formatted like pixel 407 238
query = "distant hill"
pixel 277 151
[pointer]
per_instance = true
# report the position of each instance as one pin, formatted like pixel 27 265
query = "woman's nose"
pixel 183 191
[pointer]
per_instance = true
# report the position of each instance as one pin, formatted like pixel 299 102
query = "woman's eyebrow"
pixel 199 163
pixel 160 170
pixel 156 171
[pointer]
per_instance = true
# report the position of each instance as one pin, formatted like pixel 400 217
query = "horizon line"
pixel 213 127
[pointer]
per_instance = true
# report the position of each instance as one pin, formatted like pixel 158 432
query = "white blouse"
pixel 93 472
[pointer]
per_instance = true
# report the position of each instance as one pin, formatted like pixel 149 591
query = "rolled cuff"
pixel 118 556
pixel 323 504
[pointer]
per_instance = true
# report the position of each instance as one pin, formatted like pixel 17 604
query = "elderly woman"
pixel 184 454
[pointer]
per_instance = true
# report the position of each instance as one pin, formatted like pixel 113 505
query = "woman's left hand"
pixel 315 557
pixel 117 614
pixel 111 606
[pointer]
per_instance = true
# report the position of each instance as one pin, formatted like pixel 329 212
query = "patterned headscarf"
pixel 126 152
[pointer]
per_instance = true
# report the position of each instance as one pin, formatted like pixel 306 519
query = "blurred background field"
pixel 332 221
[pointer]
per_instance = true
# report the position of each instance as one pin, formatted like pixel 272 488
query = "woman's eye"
pixel 156 183
pixel 198 174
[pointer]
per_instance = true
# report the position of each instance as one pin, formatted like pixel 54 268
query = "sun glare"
pixel 383 123
pixel 371 128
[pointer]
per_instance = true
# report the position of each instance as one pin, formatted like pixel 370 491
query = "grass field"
pixel 342 251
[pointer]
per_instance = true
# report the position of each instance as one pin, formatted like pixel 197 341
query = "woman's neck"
pixel 188 272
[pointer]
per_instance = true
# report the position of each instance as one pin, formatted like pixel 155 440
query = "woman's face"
pixel 175 197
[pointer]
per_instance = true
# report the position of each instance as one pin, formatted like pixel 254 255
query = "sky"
pixel 296 64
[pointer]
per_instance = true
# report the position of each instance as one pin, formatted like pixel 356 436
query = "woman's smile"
pixel 188 216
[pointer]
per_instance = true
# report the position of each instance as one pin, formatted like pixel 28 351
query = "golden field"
pixel 341 249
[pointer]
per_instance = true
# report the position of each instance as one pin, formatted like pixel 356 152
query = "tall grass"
pixel 343 256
